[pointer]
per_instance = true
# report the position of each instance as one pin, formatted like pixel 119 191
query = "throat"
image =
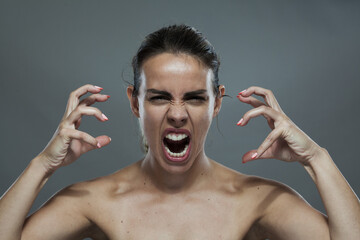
pixel 173 180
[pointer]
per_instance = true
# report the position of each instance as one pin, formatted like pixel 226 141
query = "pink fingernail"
pixel 98 145
pixel 241 120
pixel 110 139
pixel 254 155
pixel 104 117
pixel 100 88
pixel 243 91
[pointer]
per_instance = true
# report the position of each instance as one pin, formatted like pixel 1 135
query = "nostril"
pixel 177 115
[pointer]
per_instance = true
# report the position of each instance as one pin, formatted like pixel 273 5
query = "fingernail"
pixel 100 88
pixel 254 155
pixel 241 120
pixel 98 145
pixel 110 139
pixel 243 91
pixel 108 96
pixel 104 117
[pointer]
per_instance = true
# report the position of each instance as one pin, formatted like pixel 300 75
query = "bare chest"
pixel 205 217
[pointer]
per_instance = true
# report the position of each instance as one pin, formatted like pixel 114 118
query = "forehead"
pixel 177 73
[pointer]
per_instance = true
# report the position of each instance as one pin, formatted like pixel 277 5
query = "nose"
pixel 177 114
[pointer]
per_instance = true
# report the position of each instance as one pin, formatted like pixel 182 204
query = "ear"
pixel 134 104
pixel 218 100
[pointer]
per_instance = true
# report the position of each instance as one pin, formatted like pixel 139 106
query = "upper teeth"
pixel 176 137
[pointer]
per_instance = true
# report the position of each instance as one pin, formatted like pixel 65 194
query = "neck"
pixel 172 182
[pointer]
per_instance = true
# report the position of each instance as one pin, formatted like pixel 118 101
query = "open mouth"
pixel 176 145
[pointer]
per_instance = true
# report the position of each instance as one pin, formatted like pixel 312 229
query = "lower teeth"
pixel 181 154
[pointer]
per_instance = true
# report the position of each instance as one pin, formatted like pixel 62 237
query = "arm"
pixel 340 201
pixel 64 148
pixel 289 215
pixel 61 216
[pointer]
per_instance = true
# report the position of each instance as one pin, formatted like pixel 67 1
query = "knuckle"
pixel 73 94
pixel 95 110
pixel 80 108
pixel 61 126
pixel 267 92
pixel 263 108
pixel 269 138
pixel 63 132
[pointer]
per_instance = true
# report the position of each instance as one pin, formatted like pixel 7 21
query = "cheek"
pixel 203 113
pixel 200 116
pixel 151 120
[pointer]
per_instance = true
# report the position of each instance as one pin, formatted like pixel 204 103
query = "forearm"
pixel 340 201
pixel 17 201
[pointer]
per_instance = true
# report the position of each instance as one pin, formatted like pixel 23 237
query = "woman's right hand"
pixel 68 143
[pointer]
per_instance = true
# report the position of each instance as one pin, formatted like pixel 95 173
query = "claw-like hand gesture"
pixel 68 143
pixel 286 141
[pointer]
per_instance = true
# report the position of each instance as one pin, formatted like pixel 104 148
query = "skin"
pixel 198 199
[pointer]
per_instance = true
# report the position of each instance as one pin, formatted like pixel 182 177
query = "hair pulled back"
pixel 176 39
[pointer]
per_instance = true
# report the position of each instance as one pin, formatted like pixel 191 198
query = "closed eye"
pixel 196 99
pixel 159 99
pixel 164 99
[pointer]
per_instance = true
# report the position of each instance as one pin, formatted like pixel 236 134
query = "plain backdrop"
pixel 306 52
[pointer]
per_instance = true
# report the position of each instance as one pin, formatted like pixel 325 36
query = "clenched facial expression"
pixel 176 104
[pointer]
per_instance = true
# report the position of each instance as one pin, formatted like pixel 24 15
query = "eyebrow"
pixel 165 93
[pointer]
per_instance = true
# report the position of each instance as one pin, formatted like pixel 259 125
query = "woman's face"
pixel 176 105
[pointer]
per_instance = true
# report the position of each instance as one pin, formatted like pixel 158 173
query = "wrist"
pixel 320 157
pixel 320 162
pixel 40 166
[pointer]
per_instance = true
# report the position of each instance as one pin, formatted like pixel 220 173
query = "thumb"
pixel 249 156
pixel 254 155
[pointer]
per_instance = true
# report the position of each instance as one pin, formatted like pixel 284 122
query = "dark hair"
pixel 176 39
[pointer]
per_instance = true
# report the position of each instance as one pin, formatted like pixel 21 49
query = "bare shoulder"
pixel 69 214
pixel 278 211
pixel 103 188
pixel 255 186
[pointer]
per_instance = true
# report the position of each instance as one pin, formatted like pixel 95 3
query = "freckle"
pixel 121 221
pixel 144 183
pixel 127 231
pixel 258 188
pixel 208 199
pixel 202 173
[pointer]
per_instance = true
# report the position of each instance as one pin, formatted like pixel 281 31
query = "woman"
pixel 176 191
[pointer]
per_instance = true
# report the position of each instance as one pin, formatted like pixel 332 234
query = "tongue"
pixel 176 146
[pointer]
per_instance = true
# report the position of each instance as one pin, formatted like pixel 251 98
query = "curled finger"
pixel 79 135
pixel 94 98
pixel 267 94
pixel 251 100
pixel 73 101
pixel 266 144
pixel 82 110
pixel 256 103
pixel 267 112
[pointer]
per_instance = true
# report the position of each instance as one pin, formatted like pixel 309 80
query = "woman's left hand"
pixel 286 141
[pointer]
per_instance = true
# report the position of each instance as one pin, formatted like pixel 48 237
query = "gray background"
pixel 307 52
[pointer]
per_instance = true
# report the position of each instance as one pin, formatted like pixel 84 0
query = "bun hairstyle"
pixel 176 39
